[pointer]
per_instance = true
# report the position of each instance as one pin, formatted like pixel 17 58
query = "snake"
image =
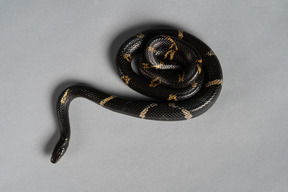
pixel 177 70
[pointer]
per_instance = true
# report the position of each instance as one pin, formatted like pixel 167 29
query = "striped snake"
pixel 177 69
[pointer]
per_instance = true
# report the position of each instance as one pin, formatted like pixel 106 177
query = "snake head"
pixel 59 150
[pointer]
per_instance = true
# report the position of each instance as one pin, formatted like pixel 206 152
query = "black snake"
pixel 177 69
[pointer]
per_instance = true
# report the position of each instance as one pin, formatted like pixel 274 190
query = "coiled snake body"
pixel 177 69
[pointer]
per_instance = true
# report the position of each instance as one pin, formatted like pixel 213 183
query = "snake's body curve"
pixel 176 68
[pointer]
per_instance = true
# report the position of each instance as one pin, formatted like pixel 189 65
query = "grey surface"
pixel 239 145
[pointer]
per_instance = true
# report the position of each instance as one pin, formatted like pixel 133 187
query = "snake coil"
pixel 177 69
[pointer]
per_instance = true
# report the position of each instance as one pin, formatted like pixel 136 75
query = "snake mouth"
pixel 59 150
pixel 54 159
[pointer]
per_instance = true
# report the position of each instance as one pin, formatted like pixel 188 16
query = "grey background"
pixel 239 145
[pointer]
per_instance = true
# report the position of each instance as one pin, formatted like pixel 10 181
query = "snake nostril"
pixel 53 160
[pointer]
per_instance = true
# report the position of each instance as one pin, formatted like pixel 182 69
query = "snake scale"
pixel 177 69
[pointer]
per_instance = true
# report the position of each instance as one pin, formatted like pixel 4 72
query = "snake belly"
pixel 177 69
